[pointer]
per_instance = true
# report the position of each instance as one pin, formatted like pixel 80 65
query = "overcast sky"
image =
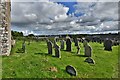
pixel 48 17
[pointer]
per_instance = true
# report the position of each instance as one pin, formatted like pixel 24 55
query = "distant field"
pixel 35 63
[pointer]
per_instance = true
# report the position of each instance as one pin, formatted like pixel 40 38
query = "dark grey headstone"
pixel 68 44
pixel 57 51
pixel 76 42
pixel 90 60
pixel 71 70
pixel 62 44
pixel 49 44
pixel 88 50
pixel 108 45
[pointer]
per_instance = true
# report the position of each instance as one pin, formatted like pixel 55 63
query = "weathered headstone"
pixel 23 47
pixel 76 42
pixel 57 51
pixel 71 70
pixel 54 42
pixel 62 44
pixel 108 45
pixel 78 49
pixel 88 50
pixel 68 44
pixel 49 44
pixel 13 43
pixel 84 43
pixel 90 60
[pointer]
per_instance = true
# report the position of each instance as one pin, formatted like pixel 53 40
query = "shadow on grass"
pixel 46 54
pixel 79 55
pixel 68 51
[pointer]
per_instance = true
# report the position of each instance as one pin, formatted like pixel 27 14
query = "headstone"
pixel 68 44
pixel 108 45
pixel 23 47
pixel 47 40
pixel 90 60
pixel 71 70
pixel 13 43
pixel 76 42
pixel 57 51
pixel 84 43
pixel 62 44
pixel 49 44
pixel 88 50
pixel 54 42
pixel 78 49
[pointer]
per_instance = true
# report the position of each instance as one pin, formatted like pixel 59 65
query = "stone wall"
pixel 5 30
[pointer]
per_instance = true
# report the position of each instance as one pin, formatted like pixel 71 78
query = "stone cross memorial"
pixel 68 44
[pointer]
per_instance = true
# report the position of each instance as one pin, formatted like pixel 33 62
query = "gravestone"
pixel 54 42
pixel 68 44
pixel 84 43
pixel 62 44
pixel 57 51
pixel 76 42
pixel 88 50
pixel 78 49
pixel 90 60
pixel 49 44
pixel 23 47
pixel 13 43
pixel 108 45
pixel 71 70
pixel 47 40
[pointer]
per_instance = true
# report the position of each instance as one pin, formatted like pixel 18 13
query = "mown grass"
pixel 35 63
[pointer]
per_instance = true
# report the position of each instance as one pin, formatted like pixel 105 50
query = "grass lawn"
pixel 35 63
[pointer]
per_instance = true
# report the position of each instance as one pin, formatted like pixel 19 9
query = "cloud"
pixel 97 13
pixel 49 17
pixel 37 12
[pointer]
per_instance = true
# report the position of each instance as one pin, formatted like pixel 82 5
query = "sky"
pixel 74 17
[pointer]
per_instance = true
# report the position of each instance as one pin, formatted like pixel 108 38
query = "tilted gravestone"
pixel 62 44
pixel 57 51
pixel 90 60
pixel 108 45
pixel 49 44
pixel 71 70
pixel 88 50
pixel 68 44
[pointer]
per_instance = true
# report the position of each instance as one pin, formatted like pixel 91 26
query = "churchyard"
pixel 35 62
